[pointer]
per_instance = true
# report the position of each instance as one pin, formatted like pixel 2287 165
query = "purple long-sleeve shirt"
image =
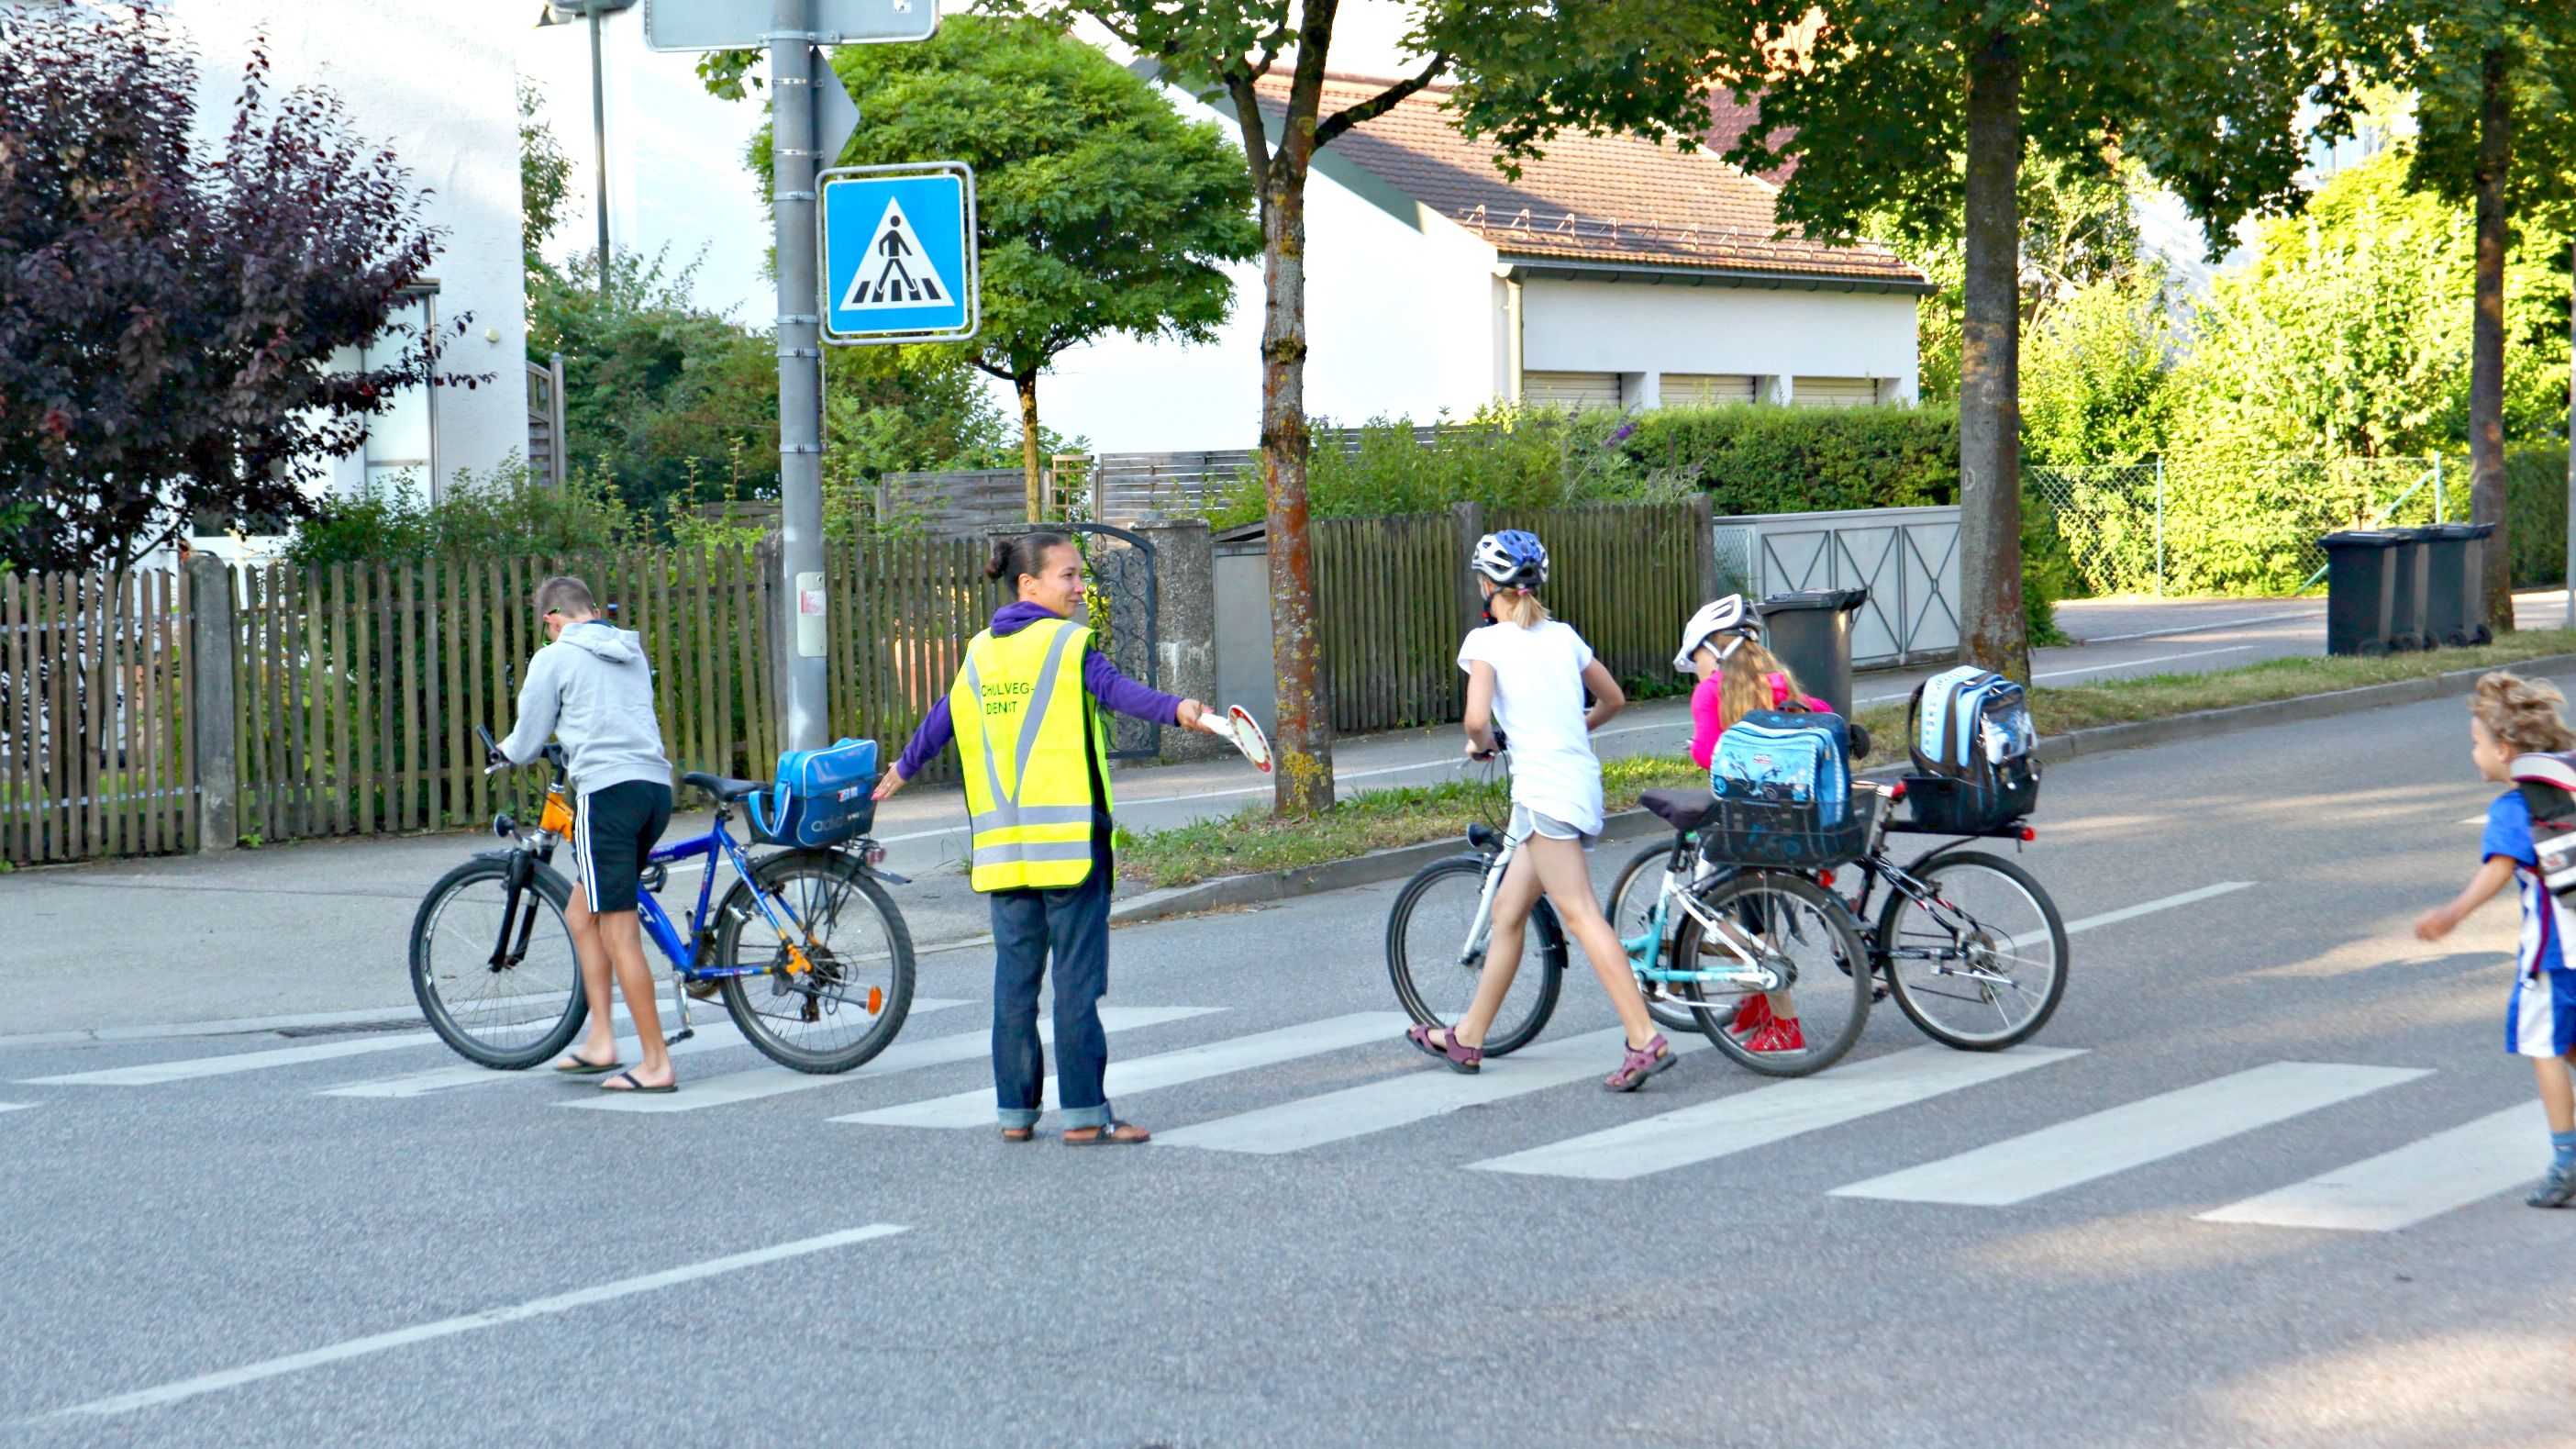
pixel 1114 690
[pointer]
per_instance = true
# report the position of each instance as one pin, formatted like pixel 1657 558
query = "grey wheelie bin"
pixel 1811 632
pixel 2455 606
pixel 2361 589
pixel 2408 579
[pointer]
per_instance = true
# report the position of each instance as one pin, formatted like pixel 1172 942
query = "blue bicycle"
pixel 811 956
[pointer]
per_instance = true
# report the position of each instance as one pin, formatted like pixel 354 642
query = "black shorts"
pixel 613 830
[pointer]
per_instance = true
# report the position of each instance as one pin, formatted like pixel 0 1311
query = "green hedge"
pixel 1754 459
pixel 2535 494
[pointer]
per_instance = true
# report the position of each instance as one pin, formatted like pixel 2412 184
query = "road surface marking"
pixel 1769 1114
pixel 1169 1069
pixel 2422 1179
pixel 2136 663
pixel 903 1056
pixel 710 1037
pixel 2131 1135
pixel 15 1106
pixel 2145 908
pixel 172 1393
pixel 157 1073
pixel 1413 1097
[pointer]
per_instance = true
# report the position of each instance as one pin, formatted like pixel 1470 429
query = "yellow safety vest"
pixel 1022 717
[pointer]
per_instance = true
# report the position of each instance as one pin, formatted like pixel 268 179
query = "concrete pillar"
pixel 1185 624
pixel 212 747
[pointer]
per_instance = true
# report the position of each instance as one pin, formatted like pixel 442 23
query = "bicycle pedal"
pixel 684 1035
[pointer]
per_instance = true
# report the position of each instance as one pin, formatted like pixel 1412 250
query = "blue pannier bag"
pixel 822 797
pixel 1785 757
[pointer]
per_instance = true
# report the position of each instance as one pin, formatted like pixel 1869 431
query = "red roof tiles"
pixel 1598 199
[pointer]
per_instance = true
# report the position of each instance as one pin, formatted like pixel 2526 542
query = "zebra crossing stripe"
pixel 2131 1135
pixel 1414 1097
pixel 15 1106
pixel 2142 908
pixel 710 1037
pixel 903 1056
pixel 2422 1179
pixel 1771 1114
pixel 1146 1074
pixel 158 1073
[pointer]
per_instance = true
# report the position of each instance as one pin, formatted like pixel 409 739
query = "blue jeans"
pixel 1073 924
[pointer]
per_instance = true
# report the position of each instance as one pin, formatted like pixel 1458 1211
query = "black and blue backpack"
pixel 1975 752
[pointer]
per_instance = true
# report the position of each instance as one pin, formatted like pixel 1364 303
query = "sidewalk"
pixel 320 927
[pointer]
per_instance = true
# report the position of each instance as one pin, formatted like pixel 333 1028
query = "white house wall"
pixel 1647 328
pixel 436 85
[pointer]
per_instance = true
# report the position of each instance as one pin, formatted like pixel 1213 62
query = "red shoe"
pixel 1779 1034
pixel 1751 1014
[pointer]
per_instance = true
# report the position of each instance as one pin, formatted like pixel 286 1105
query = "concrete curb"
pixel 1230 891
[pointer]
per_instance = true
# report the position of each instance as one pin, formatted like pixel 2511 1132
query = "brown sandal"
pixel 1019 1134
pixel 1115 1134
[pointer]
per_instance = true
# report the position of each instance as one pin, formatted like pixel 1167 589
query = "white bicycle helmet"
pixel 1726 616
pixel 1513 558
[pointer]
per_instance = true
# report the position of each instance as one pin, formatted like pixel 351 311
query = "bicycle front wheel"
pixel 1631 909
pixel 1978 962
pixel 1435 966
pixel 1804 935
pixel 853 1000
pixel 494 969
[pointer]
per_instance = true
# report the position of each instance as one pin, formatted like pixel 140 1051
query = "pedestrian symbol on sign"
pixel 899 260
pixel 894 273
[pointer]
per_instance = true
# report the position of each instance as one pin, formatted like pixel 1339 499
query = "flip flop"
pixel 633 1085
pixel 576 1067
pixel 1109 1135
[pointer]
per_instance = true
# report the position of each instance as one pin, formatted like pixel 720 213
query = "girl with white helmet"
pixel 1736 677
pixel 1527 674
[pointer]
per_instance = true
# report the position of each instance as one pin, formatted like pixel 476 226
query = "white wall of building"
pixel 436 86
pixel 1643 328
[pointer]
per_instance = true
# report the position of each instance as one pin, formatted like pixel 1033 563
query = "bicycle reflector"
pixel 2029 834
pixel 504 826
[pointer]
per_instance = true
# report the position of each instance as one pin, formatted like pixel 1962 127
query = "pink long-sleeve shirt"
pixel 1708 713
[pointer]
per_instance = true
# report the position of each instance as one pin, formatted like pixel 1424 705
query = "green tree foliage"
pixel 675 406
pixel 545 177
pixel 2203 95
pixel 2097 382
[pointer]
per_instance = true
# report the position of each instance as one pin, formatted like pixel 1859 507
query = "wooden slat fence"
pixel 93 703
pixel 1625 575
pixel 357 688
pixel 904 611
pixel 1388 616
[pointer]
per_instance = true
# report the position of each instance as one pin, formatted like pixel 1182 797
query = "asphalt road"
pixel 1917 1248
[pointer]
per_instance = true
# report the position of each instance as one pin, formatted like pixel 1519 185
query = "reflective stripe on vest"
pixel 1032 829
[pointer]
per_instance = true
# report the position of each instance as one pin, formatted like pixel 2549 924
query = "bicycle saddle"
pixel 723 788
pixel 1680 809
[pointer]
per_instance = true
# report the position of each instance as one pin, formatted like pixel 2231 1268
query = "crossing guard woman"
pixel 1025 712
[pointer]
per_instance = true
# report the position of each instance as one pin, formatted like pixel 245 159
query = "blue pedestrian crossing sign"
pixel 899 253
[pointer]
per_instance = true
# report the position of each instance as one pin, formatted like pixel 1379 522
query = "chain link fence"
pixel 2223 526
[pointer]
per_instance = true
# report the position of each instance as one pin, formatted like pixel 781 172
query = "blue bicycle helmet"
pixel 1513 559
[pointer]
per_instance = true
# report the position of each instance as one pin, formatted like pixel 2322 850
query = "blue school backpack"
pixel 1975 751
pixel 1785 757
pixel 822 797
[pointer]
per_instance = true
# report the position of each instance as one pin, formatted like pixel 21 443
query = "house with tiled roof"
pixel 1611 270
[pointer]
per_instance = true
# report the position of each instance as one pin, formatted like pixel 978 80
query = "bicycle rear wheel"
pixel 1805 933
pixel 493 968
pixel 1982 964
pixel 1435 969
pixel 850 1005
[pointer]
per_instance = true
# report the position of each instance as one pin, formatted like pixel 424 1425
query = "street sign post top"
pixel 745 24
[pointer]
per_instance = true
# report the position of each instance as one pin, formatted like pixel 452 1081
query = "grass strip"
pixel 1253 839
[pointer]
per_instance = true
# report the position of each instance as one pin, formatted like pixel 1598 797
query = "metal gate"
pixel 1120 566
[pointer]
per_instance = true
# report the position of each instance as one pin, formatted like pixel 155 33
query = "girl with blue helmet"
pixel 1526 675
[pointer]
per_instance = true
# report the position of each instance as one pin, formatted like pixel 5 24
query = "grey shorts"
pixel 1527 822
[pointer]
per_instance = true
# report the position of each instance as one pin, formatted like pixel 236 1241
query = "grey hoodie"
pixel 593 687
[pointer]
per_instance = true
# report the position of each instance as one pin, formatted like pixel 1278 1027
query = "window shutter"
pixel 1833 392
pixel 1571 389
pixel 1707 389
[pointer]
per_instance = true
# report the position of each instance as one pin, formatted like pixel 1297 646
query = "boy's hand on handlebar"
pixel 886 787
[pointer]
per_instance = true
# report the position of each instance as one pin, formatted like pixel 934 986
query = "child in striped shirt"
pixel 2509 716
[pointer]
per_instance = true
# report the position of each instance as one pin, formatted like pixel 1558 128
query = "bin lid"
pixel 2457 530
pixel 1840 601
pixel 2366 538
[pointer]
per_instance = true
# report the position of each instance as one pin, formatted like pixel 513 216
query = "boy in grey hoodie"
pixel 593 687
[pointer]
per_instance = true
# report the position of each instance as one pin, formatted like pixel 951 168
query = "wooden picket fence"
pixel 903 612
pixel 1391 600
pixel 358 688
pixel 94 755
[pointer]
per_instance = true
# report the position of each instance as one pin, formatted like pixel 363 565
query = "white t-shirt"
pixel 1538 701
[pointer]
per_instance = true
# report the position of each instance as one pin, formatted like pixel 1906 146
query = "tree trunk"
pixel 1302 748
pixel 1027 383
pixel 2486 334
pixel 1992 629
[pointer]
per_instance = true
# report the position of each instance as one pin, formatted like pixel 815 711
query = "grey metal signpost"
pixel 791 30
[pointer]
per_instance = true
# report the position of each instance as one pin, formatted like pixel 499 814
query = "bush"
pixel 500 515
pixel 1754 459
pixel 2535 496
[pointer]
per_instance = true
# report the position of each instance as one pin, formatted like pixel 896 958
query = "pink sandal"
pixel 1454 1054
pixel 1640 1063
